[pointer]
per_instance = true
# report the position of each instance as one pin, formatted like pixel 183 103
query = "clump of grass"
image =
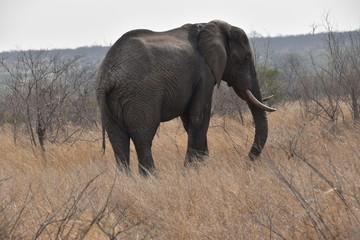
pixel 305 186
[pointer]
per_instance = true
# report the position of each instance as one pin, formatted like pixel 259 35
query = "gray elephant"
pixel 151 77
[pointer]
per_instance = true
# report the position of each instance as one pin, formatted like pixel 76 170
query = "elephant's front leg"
pixel 196 126
pixel 196 121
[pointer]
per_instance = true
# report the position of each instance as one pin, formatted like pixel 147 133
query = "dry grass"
pixel 305 186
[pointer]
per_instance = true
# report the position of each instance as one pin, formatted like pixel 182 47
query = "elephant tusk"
pixel 267 98
pixel 257 103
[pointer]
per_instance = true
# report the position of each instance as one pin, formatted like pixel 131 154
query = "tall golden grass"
pixel 305 186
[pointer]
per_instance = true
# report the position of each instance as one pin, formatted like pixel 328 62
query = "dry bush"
pixel 305 186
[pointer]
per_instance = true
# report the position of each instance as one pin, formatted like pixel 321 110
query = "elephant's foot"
pixel 195 158
pixel 123 168
pixel 146 172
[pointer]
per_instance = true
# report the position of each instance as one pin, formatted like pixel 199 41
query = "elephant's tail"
pixel 103 137
pixel 103 109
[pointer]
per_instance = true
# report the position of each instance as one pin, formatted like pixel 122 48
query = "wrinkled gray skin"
pixel 151 77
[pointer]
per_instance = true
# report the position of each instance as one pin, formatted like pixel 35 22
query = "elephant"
pixel 150 77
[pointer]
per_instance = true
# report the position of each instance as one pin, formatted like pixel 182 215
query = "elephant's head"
pixel 227 52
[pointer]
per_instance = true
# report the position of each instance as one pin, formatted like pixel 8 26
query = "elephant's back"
pixel 139 53
pixel 121 62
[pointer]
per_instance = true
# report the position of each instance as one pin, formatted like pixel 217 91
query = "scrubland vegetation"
pixel 305 186
pixel 55 182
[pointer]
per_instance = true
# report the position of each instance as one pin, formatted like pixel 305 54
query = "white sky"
pixel 35 24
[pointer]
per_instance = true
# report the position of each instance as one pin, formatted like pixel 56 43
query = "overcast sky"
pixel 35 24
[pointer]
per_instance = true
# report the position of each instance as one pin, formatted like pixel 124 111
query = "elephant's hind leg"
pixel 120 142
pixel 146 161
pixel 141 121
pixel 142 138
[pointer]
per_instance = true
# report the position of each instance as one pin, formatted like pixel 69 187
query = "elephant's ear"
pixel 212 44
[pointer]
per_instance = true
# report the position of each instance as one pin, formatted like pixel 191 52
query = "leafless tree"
pixel 344 63
pixel 292 69
pixel 45 92
pixel 308 82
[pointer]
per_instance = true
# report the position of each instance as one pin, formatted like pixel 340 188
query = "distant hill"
pixel 90 55
pixel 276 46
pixel 296 44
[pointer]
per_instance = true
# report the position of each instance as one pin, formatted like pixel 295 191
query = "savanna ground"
pixel 305 186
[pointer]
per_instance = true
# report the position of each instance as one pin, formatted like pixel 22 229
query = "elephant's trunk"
pixel 254 101
pixel 261 131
